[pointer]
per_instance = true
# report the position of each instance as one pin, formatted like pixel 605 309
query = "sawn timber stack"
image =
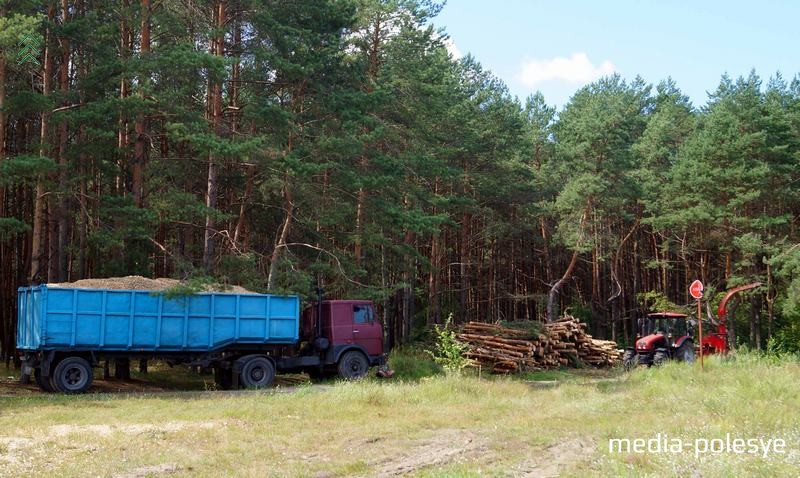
pixel 564 342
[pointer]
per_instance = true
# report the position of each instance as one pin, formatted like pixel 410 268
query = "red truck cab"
pixel 344 333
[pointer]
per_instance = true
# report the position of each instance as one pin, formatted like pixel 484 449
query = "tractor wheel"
pixel 629 360
pixel 353 365
pixel 660 358
pixel 258 372
pixel 72 375
pixel 685 352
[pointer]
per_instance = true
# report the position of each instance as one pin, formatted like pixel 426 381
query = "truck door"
pixel 367 331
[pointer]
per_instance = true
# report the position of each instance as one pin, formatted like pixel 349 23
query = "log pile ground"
pixel 565 342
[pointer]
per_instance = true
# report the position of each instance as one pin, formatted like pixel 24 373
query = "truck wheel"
pixel 353 365
pixel 258 372
pixel 43 382
pixel 660 358
pixel 629 360
pixel 686 352
pixel 72 375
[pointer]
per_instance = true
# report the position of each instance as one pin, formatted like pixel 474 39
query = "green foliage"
pixel 122 244
pixel 448 350
pixel 190 286
pixel 14 28
pixel 24 169
pixel 241 270
pixel 654 301
pixel 10 227
pixel 785 341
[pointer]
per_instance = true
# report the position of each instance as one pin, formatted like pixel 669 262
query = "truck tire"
pixel 258 372
pixel 685 352
pixel 43 382
pixel 629 360
pixel 353 365
pixel 72 375
pixel 660 358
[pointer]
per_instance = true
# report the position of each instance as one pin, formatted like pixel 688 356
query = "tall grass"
pixel 412 363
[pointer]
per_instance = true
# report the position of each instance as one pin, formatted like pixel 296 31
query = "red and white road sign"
pixel 696 289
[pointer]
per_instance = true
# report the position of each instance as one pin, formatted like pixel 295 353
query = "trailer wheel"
pixel 43 382
pixel 258 372
pixel 353 365
pixel 72 375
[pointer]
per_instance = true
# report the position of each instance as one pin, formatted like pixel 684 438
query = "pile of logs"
pixel 565 342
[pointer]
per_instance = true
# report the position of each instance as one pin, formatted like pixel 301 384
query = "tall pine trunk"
pixel 218 47
pixel 63 139
pixel 140 127
pixel 125 40
pixel 556 288
pixel 280 244
pixel 38 261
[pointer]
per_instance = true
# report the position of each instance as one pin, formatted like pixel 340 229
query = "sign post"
pixel 696 290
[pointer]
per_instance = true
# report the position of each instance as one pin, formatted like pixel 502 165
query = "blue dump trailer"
pixel 63 333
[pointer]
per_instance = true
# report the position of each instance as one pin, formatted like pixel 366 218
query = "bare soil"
pixel 443 448
pixel 141 283
pixel 550 461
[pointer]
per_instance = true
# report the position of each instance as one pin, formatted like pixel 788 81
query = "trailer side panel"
pixel 144 321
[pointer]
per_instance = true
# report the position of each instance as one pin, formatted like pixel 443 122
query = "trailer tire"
pixel 72 375
pixel 43 382
pixel 353 365
pixel 257 372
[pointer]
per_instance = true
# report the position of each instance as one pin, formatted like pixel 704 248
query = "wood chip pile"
pixel 141 283
pixel 564 342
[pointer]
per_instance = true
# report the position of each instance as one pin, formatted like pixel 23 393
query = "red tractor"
pixel 661 336
pixel 666 336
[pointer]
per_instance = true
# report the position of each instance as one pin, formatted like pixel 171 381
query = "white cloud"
pixel 451 47
pixel 577 70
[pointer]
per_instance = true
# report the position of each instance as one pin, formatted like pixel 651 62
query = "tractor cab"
pixel 671 326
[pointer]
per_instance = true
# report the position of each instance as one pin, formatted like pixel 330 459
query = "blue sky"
pixel 558 46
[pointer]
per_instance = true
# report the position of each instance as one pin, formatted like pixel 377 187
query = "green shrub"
pixel 448 351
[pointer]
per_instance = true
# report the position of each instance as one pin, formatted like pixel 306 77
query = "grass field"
pixel 546 424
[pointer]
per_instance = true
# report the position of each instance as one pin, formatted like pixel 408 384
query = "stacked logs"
pixel 565 342
pixel 573 342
